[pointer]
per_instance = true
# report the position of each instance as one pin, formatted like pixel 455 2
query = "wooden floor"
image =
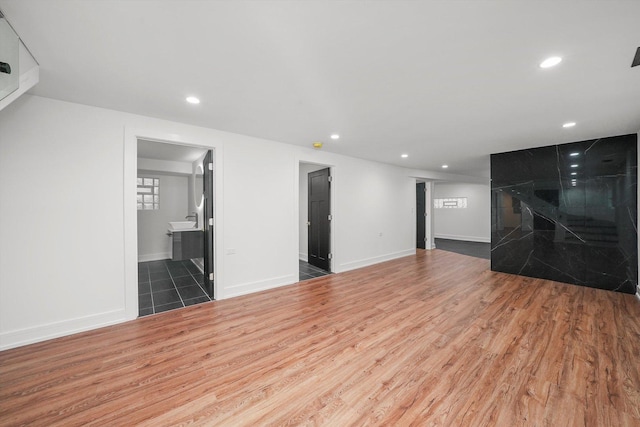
pixel 431 339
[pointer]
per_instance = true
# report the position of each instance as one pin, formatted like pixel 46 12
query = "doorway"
pixel 421 215
pixel 315 221
pixel 175 201
pixel 424 218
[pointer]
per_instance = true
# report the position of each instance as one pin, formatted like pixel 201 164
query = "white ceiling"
pixel 444 81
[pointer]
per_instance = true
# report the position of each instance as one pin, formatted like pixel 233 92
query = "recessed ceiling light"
pixel 569 125
pixel 550 62
pixel 335 136
pixel 193 100
pixel 574 166
pixel 445 166
pixel 404 156
pixel 574 154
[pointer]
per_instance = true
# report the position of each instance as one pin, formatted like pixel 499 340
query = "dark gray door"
pixel 208 222
pixel 420 215
pixel 319 222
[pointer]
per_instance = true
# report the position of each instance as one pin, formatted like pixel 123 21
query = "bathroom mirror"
pixel 198 186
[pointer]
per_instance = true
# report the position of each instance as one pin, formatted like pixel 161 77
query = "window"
pixel 148 194
pixel 450 203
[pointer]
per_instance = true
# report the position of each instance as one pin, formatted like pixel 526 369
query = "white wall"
pixel 61 219
pixel 303 217
pixel 374 213
pixel 471 224
pixel 153 242
pixel 68 218
pixel 260 219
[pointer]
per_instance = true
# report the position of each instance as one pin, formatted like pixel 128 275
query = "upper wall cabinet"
pixel 568 213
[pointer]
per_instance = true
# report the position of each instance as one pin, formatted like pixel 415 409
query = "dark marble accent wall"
pixel 568 213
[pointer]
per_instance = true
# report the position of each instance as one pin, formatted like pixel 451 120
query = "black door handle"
pixel 5 68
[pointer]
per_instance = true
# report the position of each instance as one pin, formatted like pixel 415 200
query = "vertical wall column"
pixel 568 213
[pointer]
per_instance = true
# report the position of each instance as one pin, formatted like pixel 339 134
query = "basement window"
pixel 148 197
pixel 450 203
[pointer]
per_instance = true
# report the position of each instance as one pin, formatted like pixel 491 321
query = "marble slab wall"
pixel 568 213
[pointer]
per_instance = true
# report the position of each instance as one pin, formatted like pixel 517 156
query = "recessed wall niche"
pixel 568 213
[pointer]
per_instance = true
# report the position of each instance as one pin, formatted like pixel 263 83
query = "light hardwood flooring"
pixel 431 339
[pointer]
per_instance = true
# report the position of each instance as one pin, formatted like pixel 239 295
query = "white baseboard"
pixel 260 285
pixel 49 331
pixel 374 260
pixel 464 238
pixel 154 257
pixel 303 257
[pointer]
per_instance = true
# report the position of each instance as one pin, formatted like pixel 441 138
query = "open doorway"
pixel 314 221
pixel 421 216
pixel 424 219
pixel 175 236
pixel 462 217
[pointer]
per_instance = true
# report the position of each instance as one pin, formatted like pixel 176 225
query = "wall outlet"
pixel 231 251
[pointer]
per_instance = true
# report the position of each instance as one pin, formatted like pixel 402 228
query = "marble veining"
pixel 568 213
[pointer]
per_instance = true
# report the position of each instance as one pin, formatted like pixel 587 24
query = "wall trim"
pixel 49 331
pixel 303 257
pixel 464 238
pixel 375 260
pixel 259 285
pixel 154 257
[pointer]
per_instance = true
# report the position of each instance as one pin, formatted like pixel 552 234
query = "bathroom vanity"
pixel 186 243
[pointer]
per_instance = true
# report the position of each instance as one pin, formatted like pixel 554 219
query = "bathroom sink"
pixel 182 225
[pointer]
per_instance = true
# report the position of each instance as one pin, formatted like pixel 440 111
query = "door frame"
pixel 164 133
pixel 334 263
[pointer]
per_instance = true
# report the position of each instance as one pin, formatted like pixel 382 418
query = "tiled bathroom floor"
pixel 308 271
pixel 166 285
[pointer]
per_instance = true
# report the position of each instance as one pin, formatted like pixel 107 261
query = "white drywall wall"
pixel 67 198
pixel 471 224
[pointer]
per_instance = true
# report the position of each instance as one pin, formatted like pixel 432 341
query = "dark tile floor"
pixel 474 249
pixel 308 271
pixel 166 285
